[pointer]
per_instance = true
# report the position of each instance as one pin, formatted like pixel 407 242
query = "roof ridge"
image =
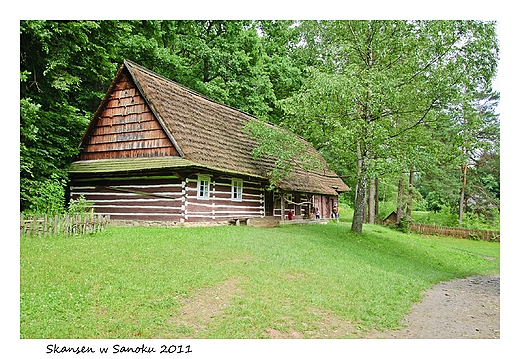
pixel 191 91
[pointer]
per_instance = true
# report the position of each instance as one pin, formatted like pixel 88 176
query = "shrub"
pixel 444 217
pixel 80 205
pixel 481 221
pixel 404 224
pixel 45 197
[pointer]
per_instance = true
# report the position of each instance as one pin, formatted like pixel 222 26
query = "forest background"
pixel 404 111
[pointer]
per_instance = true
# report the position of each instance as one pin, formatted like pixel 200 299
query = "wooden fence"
pixel 62 225
pixel 484 235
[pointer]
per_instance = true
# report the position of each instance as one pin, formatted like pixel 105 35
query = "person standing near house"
pixel 317 213
pixel 335 213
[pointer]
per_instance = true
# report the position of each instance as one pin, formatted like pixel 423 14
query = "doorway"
pixel 269 203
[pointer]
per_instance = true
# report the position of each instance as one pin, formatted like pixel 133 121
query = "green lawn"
pixel 312 281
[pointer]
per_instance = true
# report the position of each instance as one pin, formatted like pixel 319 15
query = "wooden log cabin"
pixel 158 151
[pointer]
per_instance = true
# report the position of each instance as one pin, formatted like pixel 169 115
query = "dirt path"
pixel 462 308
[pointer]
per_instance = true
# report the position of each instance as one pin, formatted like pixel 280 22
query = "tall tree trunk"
pixel 376 207
pixel 400 200
pixel 410 195
pixel 464 180
pixel 463 189
pixel 365 207
pixel 360 202
pixel 359 205
pixel 360 195
pixel 371 202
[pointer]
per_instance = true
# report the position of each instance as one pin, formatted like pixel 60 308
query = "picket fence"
pixel 485 235
pixel 62 225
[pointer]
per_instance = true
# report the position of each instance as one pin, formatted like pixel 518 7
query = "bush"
pixel 80 205
pixel 443 217
pixel 44 197
pixel 404 224
pixel 481 221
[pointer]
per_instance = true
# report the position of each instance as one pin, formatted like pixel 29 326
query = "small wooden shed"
pixel 390 219
pixel 156 150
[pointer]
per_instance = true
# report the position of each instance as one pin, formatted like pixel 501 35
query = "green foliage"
pixel 488 221
pixel 442 217
pixel 80 205
pixel 483 191
pixel 135 282
pixel 66 67
pixel 28 135
pixel 57 96
pixel 282 146
pixel 446 217
pixel 43 196
pixel 440 187
pixel 389 96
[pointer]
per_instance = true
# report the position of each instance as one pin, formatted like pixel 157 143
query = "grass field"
pixel 313 281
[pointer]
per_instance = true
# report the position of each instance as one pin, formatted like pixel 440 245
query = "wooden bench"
pixel 240 221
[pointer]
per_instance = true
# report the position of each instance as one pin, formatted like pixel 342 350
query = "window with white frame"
pixel 203 186
pixel 236 189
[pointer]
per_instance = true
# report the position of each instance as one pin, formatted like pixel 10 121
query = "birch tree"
pixel 382 88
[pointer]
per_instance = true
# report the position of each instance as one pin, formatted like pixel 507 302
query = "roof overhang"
pixel 132 165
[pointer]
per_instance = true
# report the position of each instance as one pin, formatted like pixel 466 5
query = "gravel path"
pixel 462 308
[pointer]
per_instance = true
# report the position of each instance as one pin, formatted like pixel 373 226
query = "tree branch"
pixel 361 54
pixel 417 123
pixel 428 65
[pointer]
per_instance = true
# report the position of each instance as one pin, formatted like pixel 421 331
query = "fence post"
pixel 33 223
pixel 22 224
pixel 59 227
pixel 459 232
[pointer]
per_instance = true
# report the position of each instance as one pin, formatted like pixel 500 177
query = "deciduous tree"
pixel 382 86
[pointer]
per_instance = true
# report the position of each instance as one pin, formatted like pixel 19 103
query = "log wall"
pixel 173 199
pixel 219 205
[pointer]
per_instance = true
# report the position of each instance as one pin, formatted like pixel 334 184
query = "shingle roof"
pixel 210 134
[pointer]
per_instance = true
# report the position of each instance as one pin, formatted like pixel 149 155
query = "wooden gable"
pixel 126 127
